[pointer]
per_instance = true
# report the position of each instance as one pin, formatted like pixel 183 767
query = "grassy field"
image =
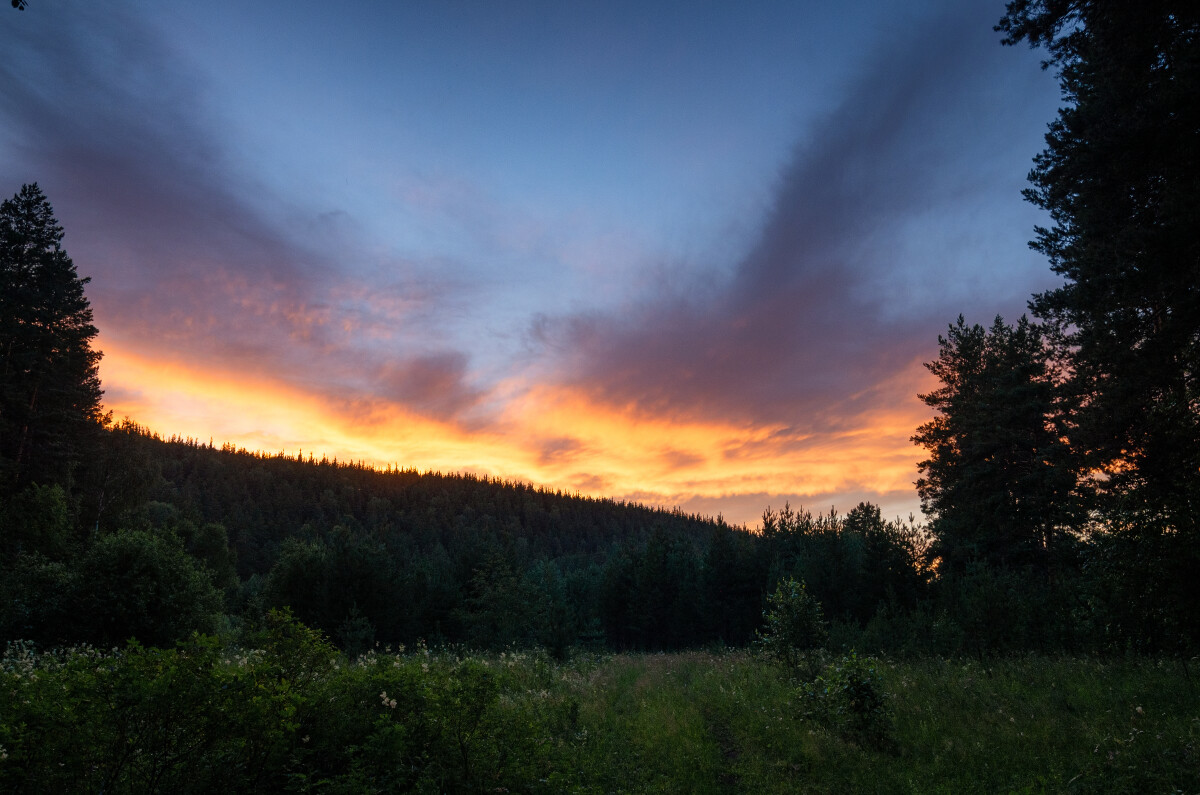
pixel 722 723
pixel 202 717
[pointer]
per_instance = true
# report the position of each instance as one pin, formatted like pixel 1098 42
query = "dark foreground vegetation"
pixel 292 715
pixel 182 617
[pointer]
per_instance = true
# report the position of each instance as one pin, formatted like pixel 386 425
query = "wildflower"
pixel 390 703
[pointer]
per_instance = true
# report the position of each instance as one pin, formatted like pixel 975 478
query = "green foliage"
pixel 209 544
pixel 120 480
pixel 144 585
pixel 499 610
pixel 1136 592
pixel 38 600
pixel 299 582
pixel 36 520
pixel 202 717
pixel 650 594
pixel 732 578
pixel 297 653
pixel 793 627
pixel 392 557
pixel 853 565
pixel 1120 178
pixel 288 715
pixel 557 607
pixel 849 698
pixel 356 635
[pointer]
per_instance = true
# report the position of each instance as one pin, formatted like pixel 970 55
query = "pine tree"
pixel 999 485
pixel 1120 178
pixel 49 385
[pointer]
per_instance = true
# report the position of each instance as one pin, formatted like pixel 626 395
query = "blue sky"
pixel 691 254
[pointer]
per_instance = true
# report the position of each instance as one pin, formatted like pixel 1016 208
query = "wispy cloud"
pixel 190 257
pixel 811 329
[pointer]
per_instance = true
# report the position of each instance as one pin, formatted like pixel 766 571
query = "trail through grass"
pixel 301 719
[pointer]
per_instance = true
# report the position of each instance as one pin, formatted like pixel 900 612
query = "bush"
pixel 143 585
pixel 794 626
pixel 849 699
pixel 36 520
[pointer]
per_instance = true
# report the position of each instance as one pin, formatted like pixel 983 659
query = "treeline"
pixel 395 556
pixel 217 537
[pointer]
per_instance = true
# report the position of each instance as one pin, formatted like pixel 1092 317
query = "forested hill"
pixel 400 555
pixel 262 500
pixel 163 537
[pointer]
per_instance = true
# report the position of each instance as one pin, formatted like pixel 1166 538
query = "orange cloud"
pixel 549 435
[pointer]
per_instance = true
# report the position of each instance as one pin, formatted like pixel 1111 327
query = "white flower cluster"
pixel 243 658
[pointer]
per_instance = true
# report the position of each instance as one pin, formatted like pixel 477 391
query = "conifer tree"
pixel 49 384
pixel 999 483
pixel 1120 178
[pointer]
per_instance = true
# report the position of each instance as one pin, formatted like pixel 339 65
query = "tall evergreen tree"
pixel 1120 178
pixel 49 385
pixel 999 484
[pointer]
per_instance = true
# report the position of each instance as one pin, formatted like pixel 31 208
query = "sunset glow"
pixel 689 258
pixel 552 438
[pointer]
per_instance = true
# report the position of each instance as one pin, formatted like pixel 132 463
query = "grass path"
pixel 695 722
pixel 724 723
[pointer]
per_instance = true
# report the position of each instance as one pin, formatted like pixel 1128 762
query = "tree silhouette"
pixel 998 482
pixel 49 386
pixel 1121 179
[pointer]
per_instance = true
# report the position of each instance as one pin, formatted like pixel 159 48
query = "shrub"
pixel 849 699
pixel 793 627
pixel 144 585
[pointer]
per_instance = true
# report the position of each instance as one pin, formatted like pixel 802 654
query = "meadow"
pixel 294 714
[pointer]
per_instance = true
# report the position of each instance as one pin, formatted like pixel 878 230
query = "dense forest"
pixel 210 539
pixel 396 556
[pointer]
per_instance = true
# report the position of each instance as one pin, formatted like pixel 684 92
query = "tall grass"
pixel 699 722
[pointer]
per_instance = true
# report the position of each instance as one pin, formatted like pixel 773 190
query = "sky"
pixel 689 254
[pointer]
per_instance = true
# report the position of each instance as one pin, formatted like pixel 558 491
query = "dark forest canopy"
pixel 395 555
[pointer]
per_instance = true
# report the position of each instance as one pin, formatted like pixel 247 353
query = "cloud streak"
pixel 807 332
pixel 189 257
